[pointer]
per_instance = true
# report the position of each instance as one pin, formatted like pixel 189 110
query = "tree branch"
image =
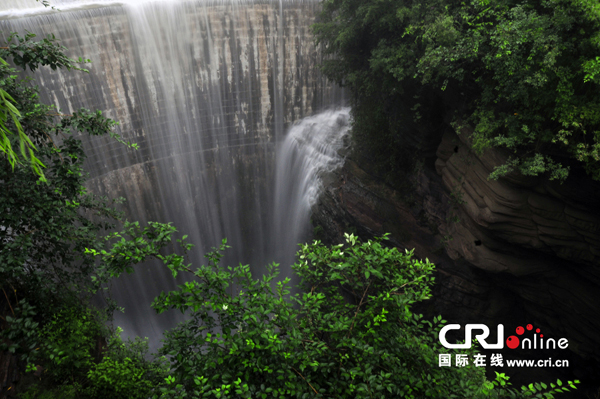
pixel 315 391
pixel 358 308
pixel 8 301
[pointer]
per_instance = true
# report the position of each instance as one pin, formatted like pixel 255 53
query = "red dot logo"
pixel 537 330
pixel 520 330
pixel 529 327
pixel 512 342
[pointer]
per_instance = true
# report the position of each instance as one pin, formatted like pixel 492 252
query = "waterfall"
pixel 207 90
pixel 310 150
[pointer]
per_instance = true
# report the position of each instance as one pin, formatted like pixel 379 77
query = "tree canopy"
pixel 524 74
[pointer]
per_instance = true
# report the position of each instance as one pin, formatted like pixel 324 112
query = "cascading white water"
pixel 206 89
pixel 311 148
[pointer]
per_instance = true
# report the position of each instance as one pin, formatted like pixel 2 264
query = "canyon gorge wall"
pixel 207 90
pixel 512 251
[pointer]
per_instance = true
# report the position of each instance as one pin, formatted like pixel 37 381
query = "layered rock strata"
pixel 514 250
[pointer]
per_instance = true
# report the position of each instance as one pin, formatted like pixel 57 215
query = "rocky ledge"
pixel 515 251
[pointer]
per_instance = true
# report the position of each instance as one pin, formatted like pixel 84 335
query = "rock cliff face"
pixel 514 251
pixel 207 90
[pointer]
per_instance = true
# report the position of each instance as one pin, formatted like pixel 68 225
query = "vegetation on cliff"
pixel 524 74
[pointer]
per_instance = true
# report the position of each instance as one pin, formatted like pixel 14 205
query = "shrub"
pixel 350 333
pixel 125 372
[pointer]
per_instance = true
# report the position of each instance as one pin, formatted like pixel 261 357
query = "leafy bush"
pixel 46 226
pixel 125 372
pixel 524 74
pixel 350 333
pixel 47 221
pixel 69 342
pixel 21 335
pixel 119 379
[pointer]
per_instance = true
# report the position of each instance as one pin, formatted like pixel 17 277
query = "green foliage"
pixel 501 388
pixel 62 392
pixel 68 344
pixel 7 109
pixel 114 378
pixel 69 354
pixel 22 334
pixel 350 333
pixel 523 73
pixel 134 245
pixel 25 52
pixel 125 372
pixel 45 231
pixel 46 227
pixel 28 53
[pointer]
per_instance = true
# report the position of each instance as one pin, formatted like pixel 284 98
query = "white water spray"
pixel 310 149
